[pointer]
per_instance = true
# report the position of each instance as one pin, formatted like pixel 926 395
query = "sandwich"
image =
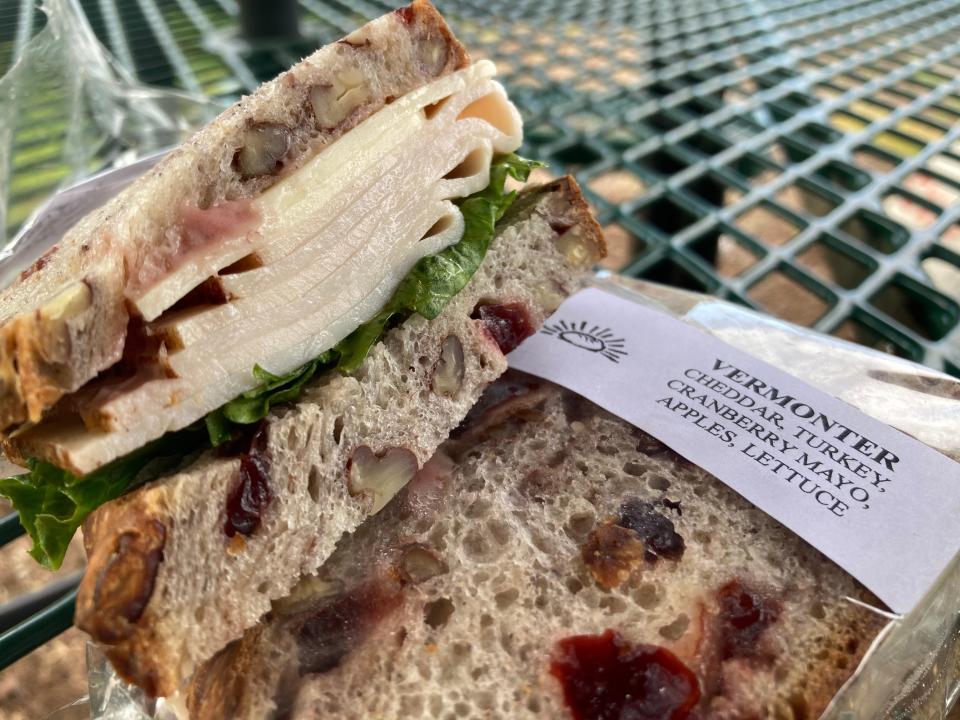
pixel 553 561
pixel 256 345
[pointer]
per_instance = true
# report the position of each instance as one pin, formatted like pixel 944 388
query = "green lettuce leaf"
pixel 254 405
pixel 53 503
pixel 435 279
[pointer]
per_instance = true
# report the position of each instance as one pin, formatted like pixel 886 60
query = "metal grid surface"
pixel 796 156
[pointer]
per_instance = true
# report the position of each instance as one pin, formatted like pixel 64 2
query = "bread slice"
pixel 117 317
pixel 182 566
pixel 553 557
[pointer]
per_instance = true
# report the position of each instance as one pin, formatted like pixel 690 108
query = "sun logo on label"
pixel 596 339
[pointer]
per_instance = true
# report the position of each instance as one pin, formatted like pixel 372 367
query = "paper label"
pixel 882 505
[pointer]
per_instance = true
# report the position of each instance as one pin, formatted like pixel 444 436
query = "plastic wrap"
pixel 68 109
pixel 913 667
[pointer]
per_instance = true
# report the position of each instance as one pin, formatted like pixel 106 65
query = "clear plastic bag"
pixel 68 109
pixel 912 669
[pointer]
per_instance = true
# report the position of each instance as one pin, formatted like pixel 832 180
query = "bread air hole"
pixel 438 612
pixel 701 537
pixel 476 546
pixel 607 448
pixel 479 508
pixel 658 482
pixel 484 699
pixel 506 598
pixel 676 629
pixel 580 524
pixel 613 604
pixel 557 458
pixel 411 705
pixel 647 596
pixel 499 531
pixel 313 483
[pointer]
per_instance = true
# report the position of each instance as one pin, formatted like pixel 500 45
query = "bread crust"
pixel 46 354
pixel 124 546
pixel 580 214
pixel 220 686
pixel 194 608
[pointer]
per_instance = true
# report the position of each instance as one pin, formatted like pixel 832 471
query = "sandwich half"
pixel 274 329
pixel 553 561
pixel 267 239
pixel 181 566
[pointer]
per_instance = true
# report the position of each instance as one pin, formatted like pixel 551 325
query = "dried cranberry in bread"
pixel 182 566
pixel 553 561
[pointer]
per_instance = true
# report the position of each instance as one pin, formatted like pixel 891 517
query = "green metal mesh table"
pixel 797 156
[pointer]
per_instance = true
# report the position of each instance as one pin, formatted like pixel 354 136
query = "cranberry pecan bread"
pixel 553 561
pixel 182 566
